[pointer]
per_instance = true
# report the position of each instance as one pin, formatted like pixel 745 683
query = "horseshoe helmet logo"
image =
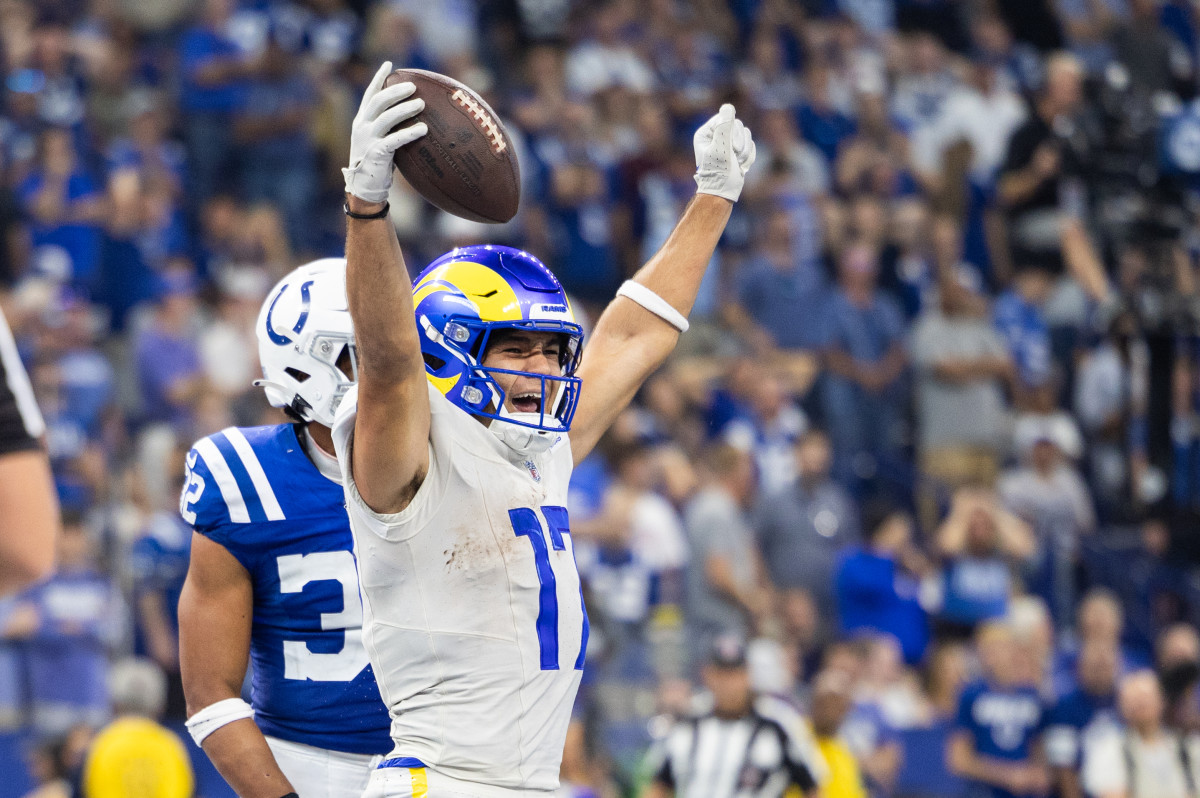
pixel 305 303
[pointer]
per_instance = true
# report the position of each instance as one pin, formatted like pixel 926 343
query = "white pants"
pixel 317 773
pixel 397 782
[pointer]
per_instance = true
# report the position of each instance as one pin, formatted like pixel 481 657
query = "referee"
pixel 28 503
pixel 738 748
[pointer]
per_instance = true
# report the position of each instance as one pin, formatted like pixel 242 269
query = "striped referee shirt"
pixel 755 756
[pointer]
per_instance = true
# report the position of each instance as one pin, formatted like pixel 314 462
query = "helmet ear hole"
pixel 434 362
pixel 296 374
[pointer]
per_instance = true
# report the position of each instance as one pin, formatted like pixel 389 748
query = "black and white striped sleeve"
pixel 669 757
pixel 21 423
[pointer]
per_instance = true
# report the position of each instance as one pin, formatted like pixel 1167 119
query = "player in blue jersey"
pixel 272 578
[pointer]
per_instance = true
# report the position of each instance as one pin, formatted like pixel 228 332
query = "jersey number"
pixel 193 487
pixel 526 524
pixel 296 571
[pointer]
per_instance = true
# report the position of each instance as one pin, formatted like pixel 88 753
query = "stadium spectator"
pixel 1100 618
pixel 883 702
pixel 1039 163
pixel 214 72
pixel 1019 317
pixel 984 111
pixel 961 370
pixel 727 584
pixel 158 564
pixel 133 756
pixel 1050 495
pixel 981 545
pixel 769 432
pixel 1080 716
pixel 1144 758
pixel 168 363
pixel 635 549
pixel 865 355
pixel 273 135
pixel 877 583
pixel 780 293
pixel 999 719
pixel 1110 401
pixel 802 526
pixel 67 625
pixel 66 207
pixel 1149 53
pixel 831 701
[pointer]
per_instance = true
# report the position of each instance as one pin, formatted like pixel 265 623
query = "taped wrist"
pixel 214 716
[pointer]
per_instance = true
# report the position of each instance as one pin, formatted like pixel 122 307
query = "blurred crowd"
pixel 931 449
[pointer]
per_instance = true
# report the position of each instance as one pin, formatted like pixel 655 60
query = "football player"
pixel 272 576
pixel 455 455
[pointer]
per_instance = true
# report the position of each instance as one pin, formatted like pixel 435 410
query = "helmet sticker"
pixel 305 304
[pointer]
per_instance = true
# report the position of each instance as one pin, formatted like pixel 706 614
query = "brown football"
pixel 465 164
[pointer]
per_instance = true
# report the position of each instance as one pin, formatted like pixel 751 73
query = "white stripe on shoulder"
pixel 245 453
pixel 18 383
pixel 215 461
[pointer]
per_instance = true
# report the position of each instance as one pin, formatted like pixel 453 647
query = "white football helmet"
pixel 303 330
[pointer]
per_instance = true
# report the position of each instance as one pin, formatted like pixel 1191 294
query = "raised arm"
pixel 215 612
pixel 631 341
pixel 391 432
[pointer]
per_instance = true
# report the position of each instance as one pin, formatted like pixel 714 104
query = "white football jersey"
pixel 473 617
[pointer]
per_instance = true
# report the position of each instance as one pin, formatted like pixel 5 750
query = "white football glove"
pixel 372 146
pixel 724 153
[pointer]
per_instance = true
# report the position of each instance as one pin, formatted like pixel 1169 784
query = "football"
pixel 465 164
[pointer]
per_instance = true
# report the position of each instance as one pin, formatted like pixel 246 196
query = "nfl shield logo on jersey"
pixel 533 470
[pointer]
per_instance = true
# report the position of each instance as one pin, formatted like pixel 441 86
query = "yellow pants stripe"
pixel 420 785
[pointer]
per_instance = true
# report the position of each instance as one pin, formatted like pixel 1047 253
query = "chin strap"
pixel 523 440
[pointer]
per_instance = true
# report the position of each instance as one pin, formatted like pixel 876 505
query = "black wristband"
pixel 292 794
pixel 380 214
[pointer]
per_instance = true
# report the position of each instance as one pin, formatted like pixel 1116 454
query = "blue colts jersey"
pixel 255 492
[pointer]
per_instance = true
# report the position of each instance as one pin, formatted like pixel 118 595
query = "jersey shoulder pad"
pixel 230 476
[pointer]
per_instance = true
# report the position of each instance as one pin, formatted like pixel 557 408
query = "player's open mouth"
pixel 527 402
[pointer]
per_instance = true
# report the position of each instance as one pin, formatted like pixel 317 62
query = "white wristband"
pixel 652 302
pixel 214 716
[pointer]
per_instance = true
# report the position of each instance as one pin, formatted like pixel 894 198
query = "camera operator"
pixel 1040 185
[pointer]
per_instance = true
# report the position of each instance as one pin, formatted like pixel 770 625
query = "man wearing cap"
pixel 737 745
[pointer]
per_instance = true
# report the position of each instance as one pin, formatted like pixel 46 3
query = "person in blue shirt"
pixel 1018 316
pixel 1000 719
pixel 876 584
pixel 980 543
pixel 1085 713
pixel 67 625
pixel 273 579
pixel 166 353
pixel 274 134
pixel 865 358
pixel 158 564
pixel 65 207
pixel 214 74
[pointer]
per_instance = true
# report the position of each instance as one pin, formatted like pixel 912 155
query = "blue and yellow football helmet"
pixel 466 296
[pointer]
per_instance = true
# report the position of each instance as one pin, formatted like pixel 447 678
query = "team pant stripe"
pixel 215 461
pixel 420 784
pixel 18 383
pixel 259 477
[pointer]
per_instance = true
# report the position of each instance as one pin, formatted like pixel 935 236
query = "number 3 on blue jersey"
pixel 526 524
pixel 300 662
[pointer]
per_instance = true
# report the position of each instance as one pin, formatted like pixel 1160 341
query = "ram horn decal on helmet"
pixel 468 294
